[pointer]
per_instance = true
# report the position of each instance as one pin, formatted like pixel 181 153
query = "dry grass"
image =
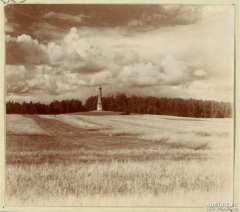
pixel 74 121
pixel 138 160
pixel 154 178
pixel 175 132
pixel 19 124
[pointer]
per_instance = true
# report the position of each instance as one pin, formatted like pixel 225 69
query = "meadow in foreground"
pixel 132 160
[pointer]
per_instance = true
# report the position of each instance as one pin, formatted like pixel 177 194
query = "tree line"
pixel 162 106
pixel 121 103
pixel 55 107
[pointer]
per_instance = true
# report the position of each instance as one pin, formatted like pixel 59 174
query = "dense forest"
pixel 121 103
pixel 55 107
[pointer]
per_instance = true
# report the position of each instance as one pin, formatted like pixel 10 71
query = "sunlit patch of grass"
pixel 178 141
pixel 19 124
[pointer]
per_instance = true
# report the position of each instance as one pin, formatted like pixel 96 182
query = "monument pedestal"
pixel 99 106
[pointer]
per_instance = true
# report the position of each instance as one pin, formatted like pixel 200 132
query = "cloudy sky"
pixel 67 51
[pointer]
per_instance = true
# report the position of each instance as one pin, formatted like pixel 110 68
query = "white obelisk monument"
pixel 99 104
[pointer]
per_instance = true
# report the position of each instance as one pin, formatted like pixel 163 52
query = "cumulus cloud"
pixel 41 79
pixel 75 53
pixel 25 50
pixel 71 36
pixel 9 28
pixel 171 9
pixel 200 73
pixel 81 45
pixel 103 78
pixel 140 74
pixel 147 21
pixel 62 55
pixel 175 72
pixel 16 79
pixel 126 57
pixel 210 89
pixel 176 61
pixel 170 72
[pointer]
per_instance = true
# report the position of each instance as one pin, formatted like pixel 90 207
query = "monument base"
pixel 98 111
pixel 99 106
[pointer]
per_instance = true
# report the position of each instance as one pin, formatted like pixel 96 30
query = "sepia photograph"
pixel 119 105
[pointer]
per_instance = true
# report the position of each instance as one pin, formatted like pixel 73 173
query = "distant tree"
pixel 91 103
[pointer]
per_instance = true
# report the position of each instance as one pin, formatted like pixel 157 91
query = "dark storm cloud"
pixel 54 18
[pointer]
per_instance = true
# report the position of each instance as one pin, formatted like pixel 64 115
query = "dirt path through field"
pixel 57 128
pixel 62 132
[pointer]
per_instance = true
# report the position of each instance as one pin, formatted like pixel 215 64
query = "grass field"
pixel 114 160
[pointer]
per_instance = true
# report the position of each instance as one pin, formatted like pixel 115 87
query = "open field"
pixel 147 160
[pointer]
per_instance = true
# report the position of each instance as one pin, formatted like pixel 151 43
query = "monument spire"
pixel 99 104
